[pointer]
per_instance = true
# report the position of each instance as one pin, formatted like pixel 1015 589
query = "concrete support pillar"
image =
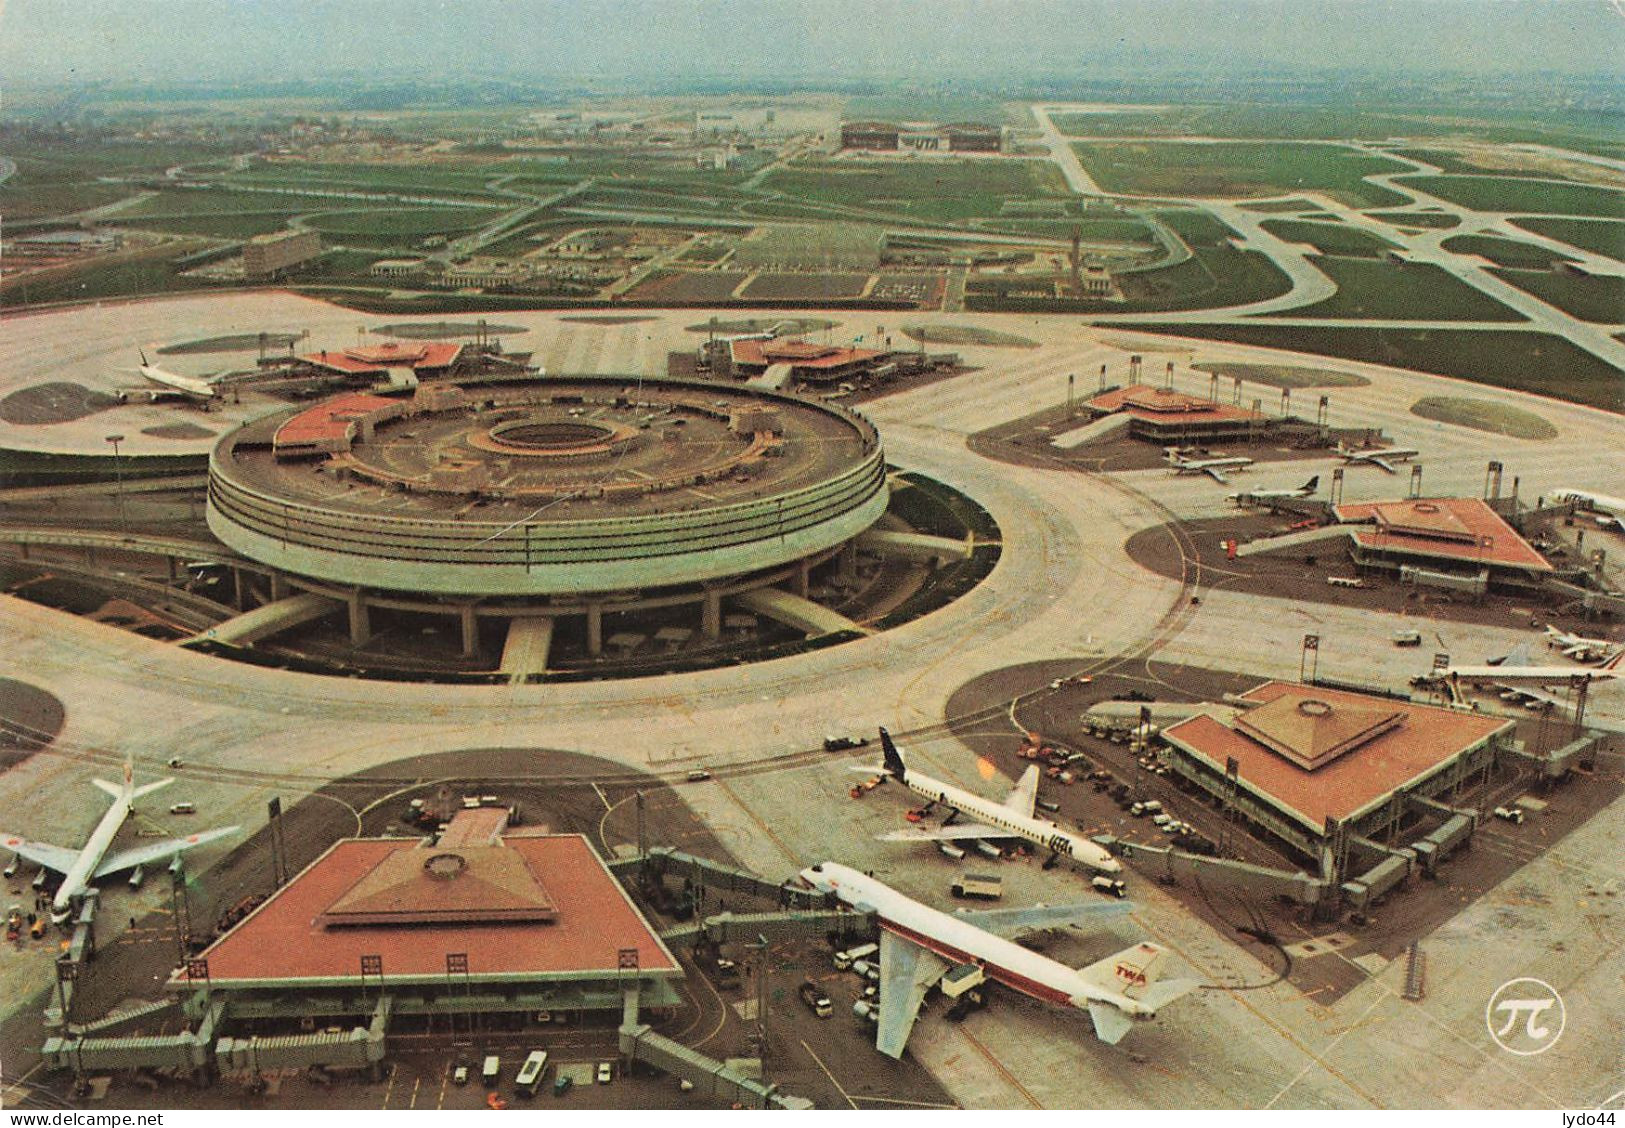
pixel 360 620
pixel 279 587
pixel 848 560
pixel 595 629
pixel 237 589
pixel 800 582
pixel 471 630
pixel 711 616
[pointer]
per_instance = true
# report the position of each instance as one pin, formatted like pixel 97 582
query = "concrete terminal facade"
pixel 552 497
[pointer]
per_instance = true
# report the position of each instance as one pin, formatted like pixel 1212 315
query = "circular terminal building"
pixel 539 498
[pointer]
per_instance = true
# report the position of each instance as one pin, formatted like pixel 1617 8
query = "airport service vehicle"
pixel 490 1070
pixel 606 1072
pixel 561 1084
pixel 842 743
pixel 989 818
pixel 698 775
pixel 530 1074
pixel 459 1076
pixel 1180 460
pixel 1510 814
pixel 846 959
pixel 985 886
pixel 1248 497
pixel 817 1002
pixel 920 945
pixel 92 861
pixel 1381 457
pixel 1111 886
pixel 1407 638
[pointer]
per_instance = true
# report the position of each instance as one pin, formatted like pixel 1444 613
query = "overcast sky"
pixel 604 40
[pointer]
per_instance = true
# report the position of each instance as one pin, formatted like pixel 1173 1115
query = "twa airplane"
pixel 1610 511
pixel 1578 647
pixel 1381 457
pixel 919 945
pixel 170 385
pixel 90 862
pixel 1213 467
pixel 1013 818
pixel 1249 496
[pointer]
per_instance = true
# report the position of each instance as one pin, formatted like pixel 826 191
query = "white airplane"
pixel 1304 490
pixel 1012 818
pixel 1578 647
pixel 170 385
pixel 1513 669
pixel 919 945
pixel 80 867
pixel 1612 509
pixel 1382 457
pixel 1213 467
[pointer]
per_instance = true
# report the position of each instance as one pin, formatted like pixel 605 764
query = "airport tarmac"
pixel 1064 590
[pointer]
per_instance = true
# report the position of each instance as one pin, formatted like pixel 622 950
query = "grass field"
pixel 1503 252
pixel 1216 276
pixel 1331 238
pixel 1409 291
pixel 1593 131
pixel 804 287
pixel 1435 220
pixel 118 275
pixel 1236 169
pixel 1197 228
pixel 399 227
pixel 1600 236
pixel 1601 300
pixel 1512 194
pixel 1484 415
pixel 926 189
pixel 1527 361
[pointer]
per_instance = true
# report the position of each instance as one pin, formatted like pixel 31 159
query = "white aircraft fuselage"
pixel 1041 832
pixel 962 942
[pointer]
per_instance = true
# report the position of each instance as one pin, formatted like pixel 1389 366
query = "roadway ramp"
pixel 776 378
pixel 525 651
pixel 273 618
pixel 1293 540
pixel 915 546
pixel 794 611
pixel 1101 428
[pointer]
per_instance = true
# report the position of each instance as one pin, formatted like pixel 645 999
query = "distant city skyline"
pixel 640 41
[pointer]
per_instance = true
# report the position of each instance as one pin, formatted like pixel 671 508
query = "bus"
pixel 530 1074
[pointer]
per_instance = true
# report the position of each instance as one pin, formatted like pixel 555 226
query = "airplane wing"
pixel 1384 463
pixel 1529 692
pixel 907 972
pixel 1216 474
pixel 54 858
pixel 158 851
pixel 1517 656
pixel 1024 795
pixel 945 833
pixel 1014 922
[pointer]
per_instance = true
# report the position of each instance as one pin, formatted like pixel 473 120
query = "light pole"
pixel 118 474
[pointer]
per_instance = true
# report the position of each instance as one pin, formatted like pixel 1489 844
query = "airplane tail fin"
pixel 1131 972
pixel 1312 485
pixel 891 757
pixel 143 355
